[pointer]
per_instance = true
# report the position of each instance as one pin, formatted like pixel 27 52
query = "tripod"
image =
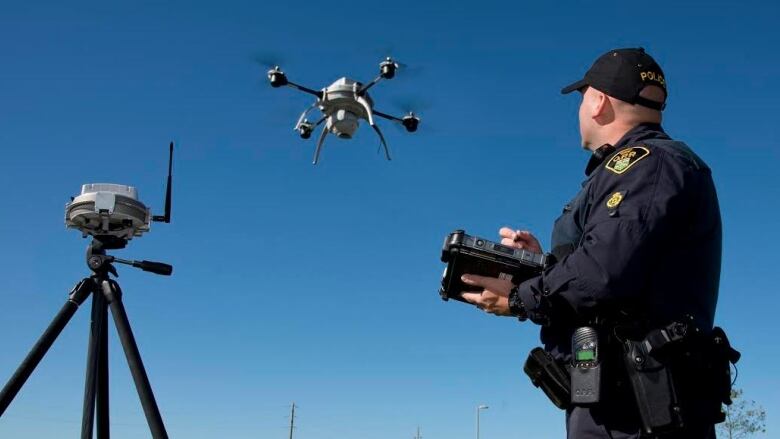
pixel 106 294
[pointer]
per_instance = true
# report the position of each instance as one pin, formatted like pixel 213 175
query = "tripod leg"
pixel 77 296
pixel 114 295
pixel 102 377
pixel 96 327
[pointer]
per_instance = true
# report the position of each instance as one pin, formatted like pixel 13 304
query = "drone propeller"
pixel 390 51
pixel 412 107
pixel 404 69
pixel 388 68
pixel 268 60
pixel 411 104
pixel 277 77
pixel 399 64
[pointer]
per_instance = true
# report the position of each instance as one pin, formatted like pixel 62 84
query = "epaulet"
pixel 682 151
pixel 626 157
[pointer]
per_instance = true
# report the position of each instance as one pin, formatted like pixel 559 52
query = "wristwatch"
pixel 516 306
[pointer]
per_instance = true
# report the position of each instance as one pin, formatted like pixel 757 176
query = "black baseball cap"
pixel 622 74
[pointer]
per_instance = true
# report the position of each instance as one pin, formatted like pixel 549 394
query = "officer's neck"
pixel 615 132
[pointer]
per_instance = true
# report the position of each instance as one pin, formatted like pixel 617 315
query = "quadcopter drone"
pixel 342 105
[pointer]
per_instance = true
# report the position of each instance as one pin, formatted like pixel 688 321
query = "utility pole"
pixel 479 407
pixel 292 420
pixel 418 433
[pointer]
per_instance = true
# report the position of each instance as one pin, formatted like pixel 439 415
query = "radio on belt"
pixel 464 253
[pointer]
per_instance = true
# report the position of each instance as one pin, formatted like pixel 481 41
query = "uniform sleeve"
pixel 627 222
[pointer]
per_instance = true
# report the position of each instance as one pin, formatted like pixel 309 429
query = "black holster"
pixel 549 376
pixel 679 376
pixel 654 389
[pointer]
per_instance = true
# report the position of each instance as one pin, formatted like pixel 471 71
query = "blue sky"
pixel 319 284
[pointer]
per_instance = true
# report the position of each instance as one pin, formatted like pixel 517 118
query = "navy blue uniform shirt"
pixel 643 237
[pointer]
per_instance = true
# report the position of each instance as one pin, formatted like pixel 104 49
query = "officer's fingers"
pixel 525 235
pixel 528 240
pixel 498 287
pixel 506 232
pixel 500 307
pixel 522 243
pixel 509 242
pixel 495 305
pixel 473 279
pixel 474 298
pixel 522 239
pixel 489 298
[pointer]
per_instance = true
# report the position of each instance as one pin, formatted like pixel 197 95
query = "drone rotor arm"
pixel 322 119
pixel 410 121
pixel 305 89
pixel 387 116
pixel 365 88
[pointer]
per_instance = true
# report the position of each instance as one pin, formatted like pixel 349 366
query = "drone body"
pixel 343 104
pixel 343 107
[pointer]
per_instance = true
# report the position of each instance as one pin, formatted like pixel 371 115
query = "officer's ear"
pixel 598 106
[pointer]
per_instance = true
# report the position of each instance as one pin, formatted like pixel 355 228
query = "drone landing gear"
pixel 320 141
pixel 324 133
pixel 106 294
pixel 370 117
pixel 382 140
pixel 367 107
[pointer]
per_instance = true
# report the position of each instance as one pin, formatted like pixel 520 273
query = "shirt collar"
pixel 598 157
pixel 640 132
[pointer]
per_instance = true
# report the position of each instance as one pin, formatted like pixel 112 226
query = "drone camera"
pixel 387 69
pixel 305 129
pixel 410 122
pixel 343 124
pixel 277 77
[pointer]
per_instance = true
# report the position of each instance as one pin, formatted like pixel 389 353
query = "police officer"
pixel 642 237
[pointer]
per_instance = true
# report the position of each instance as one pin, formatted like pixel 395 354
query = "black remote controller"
pixel 469 254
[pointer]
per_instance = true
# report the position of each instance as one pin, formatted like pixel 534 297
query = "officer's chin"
pixel 585 145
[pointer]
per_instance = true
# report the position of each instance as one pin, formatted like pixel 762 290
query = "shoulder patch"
pixel 626 157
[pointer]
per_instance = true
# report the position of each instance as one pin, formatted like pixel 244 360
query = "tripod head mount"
pixel 101 263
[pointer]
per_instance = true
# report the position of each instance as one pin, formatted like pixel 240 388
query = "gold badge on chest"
pixel 614 200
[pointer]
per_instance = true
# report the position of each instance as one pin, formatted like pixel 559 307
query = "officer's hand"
pixel 494 297
pixel 522 239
